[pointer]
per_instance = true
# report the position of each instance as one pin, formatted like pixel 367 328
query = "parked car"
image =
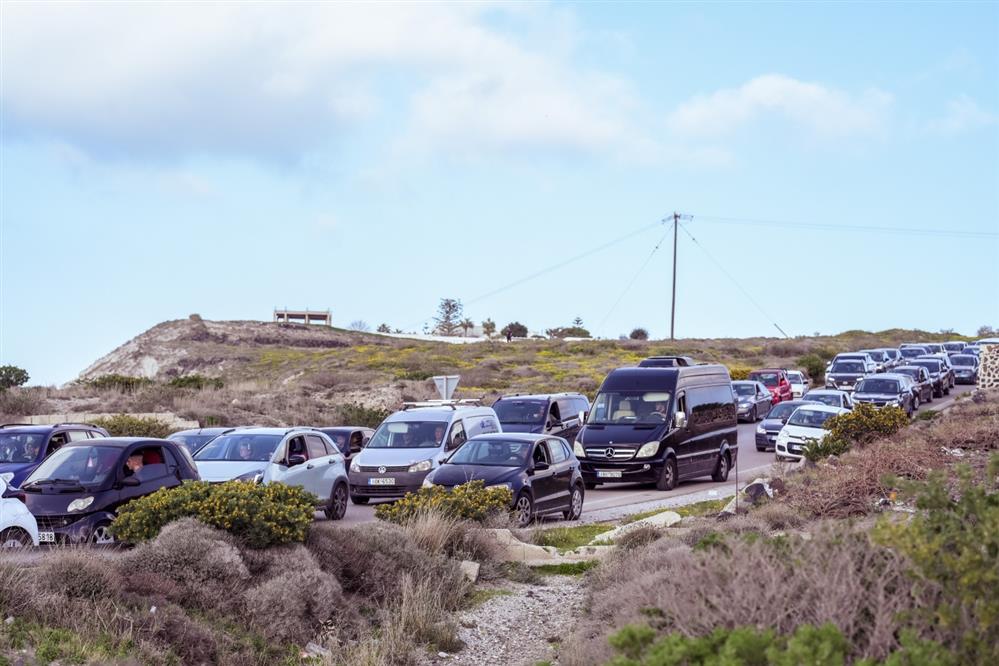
pixel 894 356
pixel 753 400
pixel 870 366
pixel 954 346
pixel 806 424
pixel 23 447
pixel 661 425
pixel 75 493
pixel 349 440
pixel 776 381
pixel 922 382
pixel 965 368
pixel 412 442
pixel 831 397
pixel 767 431
pixel 887 390
pixel 938 374
pixel 540 470
pixel 196 438
pixel 912 351
pixel 799 383
pixel 844 374
pixel 948 368
pixel 555 414
pixel 18 528
pixel 303 457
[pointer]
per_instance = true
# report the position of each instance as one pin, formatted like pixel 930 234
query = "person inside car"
pixel 439 434
pixel 134 463
pixel 245 449
pixel 341 443
pixel 31 448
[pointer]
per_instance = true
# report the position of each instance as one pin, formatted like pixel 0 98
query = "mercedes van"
pixel 660 424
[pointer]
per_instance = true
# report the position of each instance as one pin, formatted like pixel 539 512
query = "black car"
pixel 753 400
pixel 349 439
pixel 938 374
pixel 845 374
pixel 887 390
pixel 922 382
pixel 948 367
pixel 965 368
pixel 767 431
pixel 543 414
pixel 24 446
pixel 195 438
pixel 911 352
pixel 540 470
pixel 75 493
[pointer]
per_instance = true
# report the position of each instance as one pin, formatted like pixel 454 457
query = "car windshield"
pixel 931 365
pixel 492 452
pixel 963 359
pixel 912 372
pixel 909 352
pixel 744 389
pixel 809 418
pixel 409 435
pixel 20 447
pixel 796 377
pixel 782 410
pixel 629 407
pixel 849 367
pixel 84 465
pixel 954 346
pixel 831 399
pixel 521 411
pixel 239 447
pixel 891 353
pixel 765 378
pixel 934 349
pixel 878 386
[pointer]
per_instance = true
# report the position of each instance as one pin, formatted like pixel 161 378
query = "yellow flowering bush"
pixel 259 515
pixel 739 372
pixel 469 501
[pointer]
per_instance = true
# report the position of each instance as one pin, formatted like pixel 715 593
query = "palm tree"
pixel 466 324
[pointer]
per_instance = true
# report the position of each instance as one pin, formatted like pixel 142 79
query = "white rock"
pixel 469 570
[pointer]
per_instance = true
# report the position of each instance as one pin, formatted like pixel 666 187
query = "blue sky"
pixel 162 160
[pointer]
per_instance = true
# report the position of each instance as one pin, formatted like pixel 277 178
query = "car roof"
pixel 887 375
pixel 513 436
pixel 825 392
pixel 441 413
pixel 539 396
pixel 818 407
pixel 744 381
pixel 34 427
pixel 118 442
pixel 262 430
pixel 767 370
pixel 798 402
pixel 201 431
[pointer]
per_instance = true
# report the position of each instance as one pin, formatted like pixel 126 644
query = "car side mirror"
pixel 680 420
pixel 296 460
pixel 582 416
pixel 130 481
pixel 541 466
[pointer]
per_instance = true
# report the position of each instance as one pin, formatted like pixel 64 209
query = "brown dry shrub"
pixel 294 604
pixel 77 574
pixel 16 592
pixel 443 535
pixel 18 402
pixel 779 516
pixel 837 576
pixel 640 536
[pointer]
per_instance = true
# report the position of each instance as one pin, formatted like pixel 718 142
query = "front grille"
pixel 388 468
pixel 616 453
pixel 49 523
pixel 382 491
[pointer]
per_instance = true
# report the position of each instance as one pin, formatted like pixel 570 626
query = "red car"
pixel 776 380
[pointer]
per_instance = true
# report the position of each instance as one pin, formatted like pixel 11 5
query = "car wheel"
pixel 590 486
pixel 669 476
pixel 337 507
pixel 761 449
pixel 101 536
pixel 721 469
pixel 915 403
pixel 575 509
pixel 754 417
pixel 523 510
pixel 357 499
pixel 14 537
pixel 946 391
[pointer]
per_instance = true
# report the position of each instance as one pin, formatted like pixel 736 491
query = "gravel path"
pixel 519 629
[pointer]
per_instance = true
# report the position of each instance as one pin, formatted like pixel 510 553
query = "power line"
pixel 633 279
pixel 848 227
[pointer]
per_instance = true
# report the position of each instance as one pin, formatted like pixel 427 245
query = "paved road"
pixel 609 502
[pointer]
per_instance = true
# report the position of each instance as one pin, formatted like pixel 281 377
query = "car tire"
pixel 669 477
pixel 14 537
pixel 946 391
pixel 761 449
pixel 915 403
pixel 575 509
pixel 101 534
pixel 357 499
pixel 336 509
pixel 523 510
pixel 721 468
pixel 590 485
pixel 754 417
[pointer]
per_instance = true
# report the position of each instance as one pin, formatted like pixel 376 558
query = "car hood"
pixel 57 503
pixel 876 396
pixel 620 435
pixel 453 475
pixel 227 470
pixel 523 427
pixel 15 468
pixel 772 424
pixel 803 432
pixel 394 457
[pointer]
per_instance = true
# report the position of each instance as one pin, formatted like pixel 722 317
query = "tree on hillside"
pixel 578 322
pixel 448 317
pixel 514 330
pixel 359 325
pixel 489 328
pixel 466 325
pixel 11 376
pixel 639 334
pixel 987 332
pixel 384 328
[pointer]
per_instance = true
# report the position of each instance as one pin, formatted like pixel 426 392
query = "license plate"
pixel 382 481
pixel 611 474
pixel 46 537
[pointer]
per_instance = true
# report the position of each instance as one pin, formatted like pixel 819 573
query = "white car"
pixel 831 397
pixel 798 383
pixel 18 528
pixel 302 457
pixel 805 425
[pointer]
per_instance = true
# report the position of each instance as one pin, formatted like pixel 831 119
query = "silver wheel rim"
pixel 339 502
pixel 577 502
pixel 12 541
pixel 102 535
pixel 722 465
pixel 523 510
pixel 669 474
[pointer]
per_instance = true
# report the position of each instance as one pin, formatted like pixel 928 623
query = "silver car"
pixel 753 400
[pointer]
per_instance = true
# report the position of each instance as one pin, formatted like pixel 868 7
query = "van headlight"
pixel 577 448
pixel 80 504
pixel 355 464
pixel 648 450
pixel 422 466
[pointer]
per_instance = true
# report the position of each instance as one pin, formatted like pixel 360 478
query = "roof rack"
pixel 666 362
pixel 68 423
pixel 12 425
pixel 453 404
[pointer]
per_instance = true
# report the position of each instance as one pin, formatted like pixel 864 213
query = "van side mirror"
pixel 680 420
pixel 296 460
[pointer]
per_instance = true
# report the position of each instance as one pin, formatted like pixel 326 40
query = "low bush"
pixel 817 449
pixel 356 414
pixel 259 515
pixel 116 382
pixel 469 501
pixel 779 516
pixel 814 366
pixel 197 382
pixel 640 536
pixel 293 605
pixel 866 423
pixel 77 574
pixel 445 535
pixel 126 425
pixel 739 372
pixel 18 402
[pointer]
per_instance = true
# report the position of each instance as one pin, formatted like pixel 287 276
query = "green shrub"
pixel 469 501
pixel 817 449
pixel 126 425
pixel 356 414
pixel 739 372
pixel 259 515
pixel 814 366
pixel 123 383
pixel 197 382
pixel 866 423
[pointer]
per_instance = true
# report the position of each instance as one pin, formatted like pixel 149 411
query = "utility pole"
pixel 672 310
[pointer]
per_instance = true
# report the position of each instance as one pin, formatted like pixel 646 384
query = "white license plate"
pixel 610 474
pixel 46 537
pixel 381 481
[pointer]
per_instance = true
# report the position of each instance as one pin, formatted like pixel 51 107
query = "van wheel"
pixel 14 537
pixel 357 499
pixel 575 509
pixel 669 476
pixel 523 510
pixel 721 469
pixel 337 507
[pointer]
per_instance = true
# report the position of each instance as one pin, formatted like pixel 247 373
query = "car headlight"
pixel 648 450
pixel 7 477
pixel 255 476
pixel 427 483
pixel 355 464
pixel 760 430
pixel 422 466
pixel 505 484
pixel 744 404
pixel 577 448
pixel 80 504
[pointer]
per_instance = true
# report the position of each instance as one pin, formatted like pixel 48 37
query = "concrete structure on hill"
pixel 306 316
pixel 988 373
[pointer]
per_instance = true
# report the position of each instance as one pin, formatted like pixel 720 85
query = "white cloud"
pixel 963 115
pixel 811 106
pixel 276 81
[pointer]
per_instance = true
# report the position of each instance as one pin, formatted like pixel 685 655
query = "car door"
pixel 561 472
pixel 154 474
pixel 683 440
pixel 570 418
pixel 543 484
pixel 321 469
pixel 293 475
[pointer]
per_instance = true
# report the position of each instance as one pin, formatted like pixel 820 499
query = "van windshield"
pixel 521 411
pixel 409 435
pixel 629 407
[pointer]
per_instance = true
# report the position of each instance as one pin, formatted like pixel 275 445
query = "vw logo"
pixel 609 453
pixel 381 470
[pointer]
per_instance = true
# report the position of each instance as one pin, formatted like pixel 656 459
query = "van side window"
pixel 488 425
pixel 681 403
pixel 553 415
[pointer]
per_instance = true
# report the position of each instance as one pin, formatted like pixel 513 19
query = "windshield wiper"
pixel 55 482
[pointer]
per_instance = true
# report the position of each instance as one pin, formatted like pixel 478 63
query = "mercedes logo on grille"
pixel 609 453
pixel 381 470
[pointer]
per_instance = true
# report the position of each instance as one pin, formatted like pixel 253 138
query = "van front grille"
pixel 602 452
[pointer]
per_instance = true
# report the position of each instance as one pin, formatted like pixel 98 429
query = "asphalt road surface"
pixel 613 501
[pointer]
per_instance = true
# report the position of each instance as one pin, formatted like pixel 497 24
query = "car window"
pixel 457 435
pixel 316 447
pixel 541 453
pixel 171 461
pixel 296 447
pixel 56 441
pixel 77 435
pixel 146 464
pixel 556 450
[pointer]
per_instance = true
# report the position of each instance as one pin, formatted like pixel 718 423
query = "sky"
pixel 837 165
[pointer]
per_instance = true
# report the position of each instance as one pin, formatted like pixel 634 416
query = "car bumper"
pixel 375 485
pixel 66 529
pixel 792 450
pixel 966 379
pixel 620 472
pixel 766 441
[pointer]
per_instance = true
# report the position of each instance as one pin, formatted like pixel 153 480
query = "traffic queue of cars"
pixel 663 422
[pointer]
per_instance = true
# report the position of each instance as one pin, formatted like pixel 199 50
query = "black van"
pixel 547 413
pixel 660 425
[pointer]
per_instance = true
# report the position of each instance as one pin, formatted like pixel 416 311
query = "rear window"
pixel 766 378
